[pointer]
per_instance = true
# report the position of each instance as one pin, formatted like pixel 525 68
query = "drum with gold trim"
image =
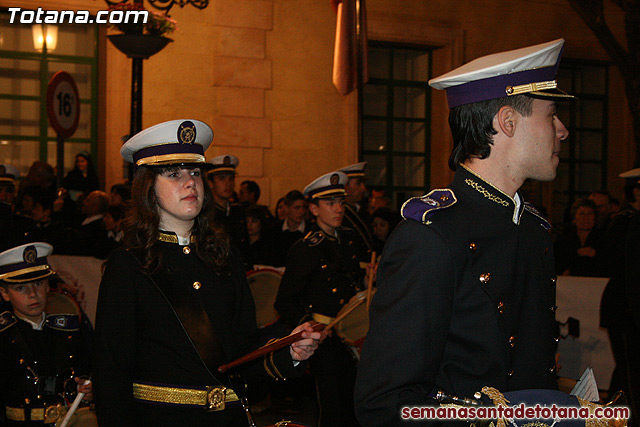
pixel 284 423
pixel 83 417
pixel 354 326
pixel 264 284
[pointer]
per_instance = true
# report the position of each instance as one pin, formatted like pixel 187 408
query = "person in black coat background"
pixel 281 235
pixel 626 336
pixel 15 229
pixel 580 251
pixel 83 177
pixel 615 307
pixel 258 219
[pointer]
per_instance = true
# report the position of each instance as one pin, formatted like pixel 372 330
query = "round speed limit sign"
pixel 63 104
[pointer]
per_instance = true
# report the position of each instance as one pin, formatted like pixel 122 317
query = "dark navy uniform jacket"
pixel 139 338
pixel 465 299
pixel 359 222
pixel 233 221
pixel 322 274
pixel 54 354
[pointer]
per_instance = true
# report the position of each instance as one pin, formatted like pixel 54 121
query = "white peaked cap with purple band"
pixel 530 70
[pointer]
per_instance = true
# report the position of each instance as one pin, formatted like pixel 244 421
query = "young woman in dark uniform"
pixel 174 302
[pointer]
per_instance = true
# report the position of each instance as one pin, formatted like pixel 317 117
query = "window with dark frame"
pixel 583 159
pixel 25 134
pixel 396 117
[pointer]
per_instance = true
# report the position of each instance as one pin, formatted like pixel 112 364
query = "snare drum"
pixel 62 302
pixel 264 284
pixel 284 423
pixel 354 326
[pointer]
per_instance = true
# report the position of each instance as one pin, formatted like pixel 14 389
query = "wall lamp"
pixel 45 35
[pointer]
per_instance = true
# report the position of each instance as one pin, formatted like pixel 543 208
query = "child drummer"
pixel 322 274
pixel 41 354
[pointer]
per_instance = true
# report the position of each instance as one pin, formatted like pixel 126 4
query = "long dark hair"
pixel 143 220
pixel 90 168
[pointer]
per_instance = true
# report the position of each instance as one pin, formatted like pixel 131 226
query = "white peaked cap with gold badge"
pixel 633 173
pixel 530 70
pixel 225 164
pixel 176 142
pixel 355 170
pixel 327 186
pixel 25 263
pixel 8 173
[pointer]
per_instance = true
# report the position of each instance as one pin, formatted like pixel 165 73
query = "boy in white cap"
pixel 8 175
pixel 39 352
pixel 221 179
pixel 322 273
pixel 466 285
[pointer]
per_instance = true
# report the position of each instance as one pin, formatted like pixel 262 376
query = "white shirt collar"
pixel 92 218
pixel 115 236
pixel 516 211
pixel 37 326
pixel 285 226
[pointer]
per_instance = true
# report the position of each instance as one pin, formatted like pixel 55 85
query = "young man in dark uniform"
pixel 356 216
pixel 466 285
pixel 41 354
pixel 322 274
pixel 222 183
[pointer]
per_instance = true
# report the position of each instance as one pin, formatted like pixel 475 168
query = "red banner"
pixel 350 44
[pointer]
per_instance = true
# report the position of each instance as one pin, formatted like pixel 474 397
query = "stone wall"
pixel 259 72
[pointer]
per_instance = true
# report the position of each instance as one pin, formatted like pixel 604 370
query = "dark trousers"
pixel 619 375
pixel 334 369
pixel 631 342
pixel 625 344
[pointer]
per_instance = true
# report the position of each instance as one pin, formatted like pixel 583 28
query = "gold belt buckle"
pixel 216 398
pixel 53 413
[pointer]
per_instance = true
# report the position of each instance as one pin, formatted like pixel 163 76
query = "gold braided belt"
pixel 321 318
pixel 49 414
pixel 209 398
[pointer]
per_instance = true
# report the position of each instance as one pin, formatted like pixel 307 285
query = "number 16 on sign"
pixel 63 110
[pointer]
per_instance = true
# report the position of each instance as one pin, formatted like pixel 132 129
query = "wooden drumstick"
pixel 285 341
pixel 337 320
pixel 370 282
pixel 268 348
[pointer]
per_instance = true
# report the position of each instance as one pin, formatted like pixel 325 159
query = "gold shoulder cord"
pixel 265 362
pixel 593 422
pixel 498 399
